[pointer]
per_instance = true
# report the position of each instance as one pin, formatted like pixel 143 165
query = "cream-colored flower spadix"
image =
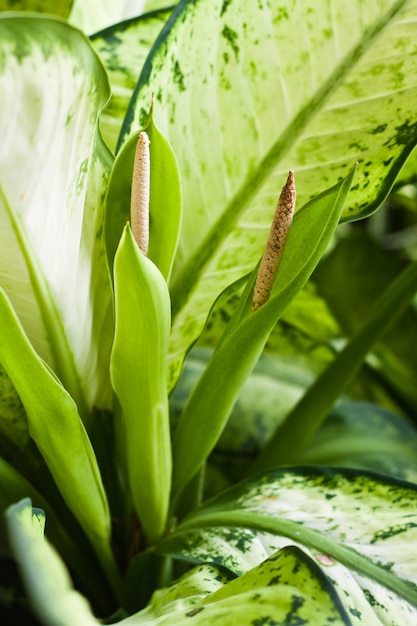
pixel 276 243
pixel 139 201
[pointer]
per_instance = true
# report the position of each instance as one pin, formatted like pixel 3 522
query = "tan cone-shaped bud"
pixel 139 204
pixel 276 243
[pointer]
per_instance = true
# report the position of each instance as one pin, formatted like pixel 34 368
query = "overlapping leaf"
pixel 273 88
pixel 371 564
pixel 54 169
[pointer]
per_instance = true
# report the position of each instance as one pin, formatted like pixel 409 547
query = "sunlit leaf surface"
pixel 313 87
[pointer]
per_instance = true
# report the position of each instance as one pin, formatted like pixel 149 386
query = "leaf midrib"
pixel 193 269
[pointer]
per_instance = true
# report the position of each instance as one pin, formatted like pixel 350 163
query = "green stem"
pixel 305 418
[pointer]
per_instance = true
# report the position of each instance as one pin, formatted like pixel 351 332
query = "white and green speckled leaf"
pixel 286 589
pixel 53 172
pixel 276 86
pixel 123 49
pixel 361 529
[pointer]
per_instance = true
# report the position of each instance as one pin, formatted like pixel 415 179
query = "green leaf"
pixel 304 419
pixel 55 426
pixel 54 7
pixel 273 88
pixel 286 589
pixel 371 565
pixel 123 49
pixel 212 399
pixel 371 268
pixel 47 581
pixel 54 169
pixel 164 203
pixel 138 374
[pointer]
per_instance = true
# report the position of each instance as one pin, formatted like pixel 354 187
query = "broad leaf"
pixel 54 169
pixel 372 565
pixel 286 589
pixel 289 586
pixel 273 89
pixel 123 49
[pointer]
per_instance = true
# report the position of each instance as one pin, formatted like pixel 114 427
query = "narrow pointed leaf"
pixel 274 88
pixel 138 373
pixel 212 399
pixel 54 170
pixel 56 427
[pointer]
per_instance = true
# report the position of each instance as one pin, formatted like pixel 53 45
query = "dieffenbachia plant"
pixel 207 106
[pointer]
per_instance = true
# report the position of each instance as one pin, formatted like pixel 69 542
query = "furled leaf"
pixel 138 373
pixel 53 172
pixel 273 88
pixel 164 203
pixel 55 426
pixel 123 48
pixel 212 399
pixel 371 565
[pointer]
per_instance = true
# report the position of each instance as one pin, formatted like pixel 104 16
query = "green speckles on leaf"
pixel 225 6
pixel 81 176
pixel 178 76
pixel 231 37
pixel 378 129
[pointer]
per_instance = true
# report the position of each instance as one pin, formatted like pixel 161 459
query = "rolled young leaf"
pixel 164 204
pixel 138 374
